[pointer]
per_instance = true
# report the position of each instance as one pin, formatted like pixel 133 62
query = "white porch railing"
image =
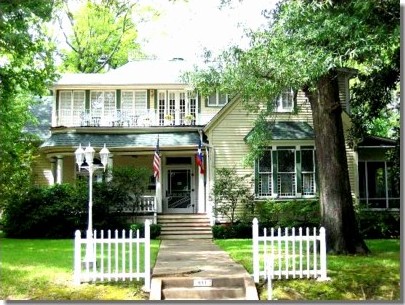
pixel 117 258
pixel 294 254
pixel 123 118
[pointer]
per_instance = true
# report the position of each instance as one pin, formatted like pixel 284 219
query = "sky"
pixel 185 28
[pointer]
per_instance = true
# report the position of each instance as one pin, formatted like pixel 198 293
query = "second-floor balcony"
pixel 120 118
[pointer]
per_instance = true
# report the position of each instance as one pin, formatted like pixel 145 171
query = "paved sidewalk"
pixel 195 269
pixel 195 258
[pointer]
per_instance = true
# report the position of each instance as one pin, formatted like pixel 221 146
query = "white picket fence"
pixel 289 253
pixel 118 258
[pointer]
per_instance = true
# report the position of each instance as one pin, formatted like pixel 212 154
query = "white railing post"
pixel 77 259
pixel 322 239
pixel 147 255
pixel 255 237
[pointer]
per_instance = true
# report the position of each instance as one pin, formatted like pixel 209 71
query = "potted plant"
pixel 188 119
pixel 168 119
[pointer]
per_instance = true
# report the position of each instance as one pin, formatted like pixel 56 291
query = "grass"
pixel 372 277
pixel 43 270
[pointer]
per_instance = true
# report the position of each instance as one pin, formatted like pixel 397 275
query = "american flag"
pixel 156 161
pixel 199 159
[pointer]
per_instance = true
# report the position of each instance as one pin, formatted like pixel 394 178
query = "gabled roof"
pixel 139 72
pixel 288 130
pixel 374 141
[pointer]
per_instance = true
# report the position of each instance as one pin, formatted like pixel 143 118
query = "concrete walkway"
pixel 197 258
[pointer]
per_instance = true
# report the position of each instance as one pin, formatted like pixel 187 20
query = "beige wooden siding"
pixel 42 171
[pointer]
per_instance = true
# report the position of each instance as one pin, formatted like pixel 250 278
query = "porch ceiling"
pixel 136 140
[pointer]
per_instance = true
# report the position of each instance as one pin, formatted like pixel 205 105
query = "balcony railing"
pixel 119 118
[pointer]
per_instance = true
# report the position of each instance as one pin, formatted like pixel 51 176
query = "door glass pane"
pixel 178 189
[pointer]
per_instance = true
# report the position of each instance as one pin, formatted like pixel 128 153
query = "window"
pixel 102 104
pixel 71 107
pixel 217 99
pixel 376 185
pixel 134 102
pixel 285 101
pixel 286 172
pixel 264 175
pixel 308 171
pixel 286 181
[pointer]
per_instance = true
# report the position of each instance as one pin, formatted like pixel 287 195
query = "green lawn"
pixel 372 277
pixel 43 270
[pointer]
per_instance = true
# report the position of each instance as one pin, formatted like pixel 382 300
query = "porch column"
pixel 158 188
pixel 53 171
pixel 59 169
pixel 201 191
pixel 109 167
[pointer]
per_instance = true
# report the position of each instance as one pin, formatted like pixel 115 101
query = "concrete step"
pixel 208 289
pixel 184 226
pixel 185 236
pixel 203 293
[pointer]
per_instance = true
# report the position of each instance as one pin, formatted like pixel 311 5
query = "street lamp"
pixel 88 156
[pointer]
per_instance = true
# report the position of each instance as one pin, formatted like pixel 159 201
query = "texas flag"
pixel 199 159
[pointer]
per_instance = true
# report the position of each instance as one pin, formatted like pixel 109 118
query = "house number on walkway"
pixel 202 283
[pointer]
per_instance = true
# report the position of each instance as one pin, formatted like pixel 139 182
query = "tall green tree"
pixel 304 47
pixel 26 69
pixel 100 34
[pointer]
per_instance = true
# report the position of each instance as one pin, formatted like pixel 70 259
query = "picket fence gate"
pixel 288 255
pixel 117 258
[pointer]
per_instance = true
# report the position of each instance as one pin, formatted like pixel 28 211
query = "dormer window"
pixel 285 101
pixel 217 99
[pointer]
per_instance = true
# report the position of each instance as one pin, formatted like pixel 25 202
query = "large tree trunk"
pixel 337 212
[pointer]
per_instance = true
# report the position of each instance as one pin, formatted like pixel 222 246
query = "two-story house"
pixel 133 106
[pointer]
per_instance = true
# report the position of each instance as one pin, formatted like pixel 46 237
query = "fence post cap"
pixel 255 221
pixel 78 233
pixel 147 222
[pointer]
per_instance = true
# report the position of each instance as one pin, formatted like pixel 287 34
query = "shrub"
pixel 379 224
pixel 229 191
pixel 237 230
pixel 154 229
pixel 47 212
pixel 295 213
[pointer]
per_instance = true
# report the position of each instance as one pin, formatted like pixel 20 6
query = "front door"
pixel 179 197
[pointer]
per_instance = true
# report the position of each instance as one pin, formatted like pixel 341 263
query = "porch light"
pixel 89 154
pixel 79 153
pixel 104 152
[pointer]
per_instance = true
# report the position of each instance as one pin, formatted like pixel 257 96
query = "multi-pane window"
pixel 377 187
pixel 134 102
pixel 286 172
pixel 102 104
pixel 71 107
pixel 217 99
pixel 285 101
pixel 286 179
pixel 264 179
pixel 176 107
pixel 161 107
pixel 308 171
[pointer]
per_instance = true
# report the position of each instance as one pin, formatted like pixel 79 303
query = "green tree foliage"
pixel 102 34
pixel 26 68
pixel 306 46
pixel 229 191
